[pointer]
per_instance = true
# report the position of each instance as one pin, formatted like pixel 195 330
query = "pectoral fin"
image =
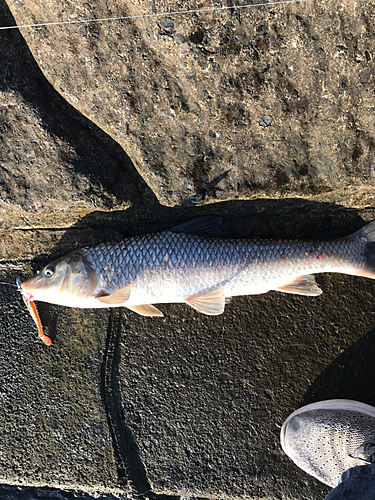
pixel 303 285
pixel 146 310
pixel 211 303
pixel 116 298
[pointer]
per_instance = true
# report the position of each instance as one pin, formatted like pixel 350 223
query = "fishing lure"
pixel 31 307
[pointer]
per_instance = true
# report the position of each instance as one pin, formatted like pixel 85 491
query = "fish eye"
pixel 49 271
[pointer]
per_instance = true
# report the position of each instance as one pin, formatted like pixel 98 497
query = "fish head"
pixel 63 279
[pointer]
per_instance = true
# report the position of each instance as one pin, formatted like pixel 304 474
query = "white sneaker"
pixel 326 438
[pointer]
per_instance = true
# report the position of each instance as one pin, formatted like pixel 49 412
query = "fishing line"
pixel 7 283
pixel 140 16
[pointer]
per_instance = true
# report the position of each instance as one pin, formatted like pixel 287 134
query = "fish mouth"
pixel 25 293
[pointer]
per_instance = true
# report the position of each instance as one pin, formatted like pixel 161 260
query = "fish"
pixel 31 307
pixel 196 263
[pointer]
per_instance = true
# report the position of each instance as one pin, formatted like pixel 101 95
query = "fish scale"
pixel 187 264
pixel 241 262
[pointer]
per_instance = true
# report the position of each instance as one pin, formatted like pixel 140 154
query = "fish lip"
pixel 27 295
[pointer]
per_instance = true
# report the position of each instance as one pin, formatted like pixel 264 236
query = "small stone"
pixel 206 95
pixel 192 200
pixel 265 121
pixel 262 28
pixel 344 83
pixel 228 25
pixel 323 144
pixel 341 49
pixel 216 68
pixel 365 75
pixel 289 72
pixel 166 25
pixel 178 38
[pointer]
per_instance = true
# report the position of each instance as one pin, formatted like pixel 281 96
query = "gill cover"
pixel 80 279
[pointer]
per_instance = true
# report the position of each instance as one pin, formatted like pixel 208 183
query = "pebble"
pixel 166 24
pixel 265 121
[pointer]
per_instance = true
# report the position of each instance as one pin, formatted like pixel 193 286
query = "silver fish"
pixel 191 264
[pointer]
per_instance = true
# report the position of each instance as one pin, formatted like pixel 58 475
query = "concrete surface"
pixel 185 405
pixel 272 101
pixel 53 425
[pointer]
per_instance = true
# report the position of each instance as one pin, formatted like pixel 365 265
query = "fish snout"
pixel 27 288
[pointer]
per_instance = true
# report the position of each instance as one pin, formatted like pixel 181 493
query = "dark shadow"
pixel 264 218
pixel 124 443
pixel 201 195
pixel 350 376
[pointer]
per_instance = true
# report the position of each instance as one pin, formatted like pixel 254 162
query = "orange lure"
pixel 31 307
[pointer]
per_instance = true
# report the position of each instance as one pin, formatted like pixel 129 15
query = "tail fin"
pixel 367 235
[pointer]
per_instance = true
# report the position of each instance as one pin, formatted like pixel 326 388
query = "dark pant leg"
pixel 357 483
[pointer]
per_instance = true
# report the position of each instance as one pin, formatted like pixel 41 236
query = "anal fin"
pixel 303 285
pixel 146 310
pixel 116 298
pixel 211 303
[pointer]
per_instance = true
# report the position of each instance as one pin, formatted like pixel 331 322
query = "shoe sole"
pixel 330 404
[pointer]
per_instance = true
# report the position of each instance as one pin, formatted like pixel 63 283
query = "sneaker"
pixel 326 438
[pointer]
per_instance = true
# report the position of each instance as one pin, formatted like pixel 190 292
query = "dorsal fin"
pixel 208 227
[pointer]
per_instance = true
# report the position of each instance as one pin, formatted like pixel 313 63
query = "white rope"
pixel 173 13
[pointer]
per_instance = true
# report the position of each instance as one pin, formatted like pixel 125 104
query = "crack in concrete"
pixel 130 468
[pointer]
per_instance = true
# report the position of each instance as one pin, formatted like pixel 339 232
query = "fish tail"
pixel 366 237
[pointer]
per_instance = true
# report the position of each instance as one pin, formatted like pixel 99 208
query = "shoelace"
pixel 365 452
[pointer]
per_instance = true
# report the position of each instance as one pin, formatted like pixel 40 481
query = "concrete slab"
pixel 268 101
